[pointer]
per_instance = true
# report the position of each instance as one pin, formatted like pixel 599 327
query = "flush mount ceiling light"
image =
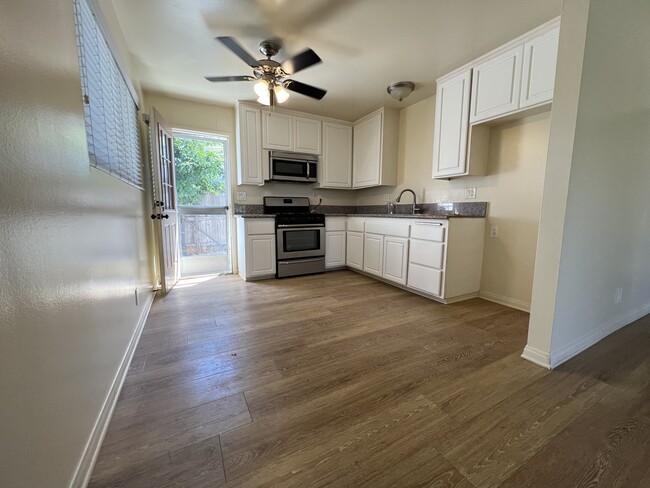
pixel 400 89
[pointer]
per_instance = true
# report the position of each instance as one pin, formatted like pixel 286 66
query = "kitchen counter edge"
pixel 389 216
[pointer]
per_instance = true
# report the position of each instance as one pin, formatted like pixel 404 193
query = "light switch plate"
pixel 241 195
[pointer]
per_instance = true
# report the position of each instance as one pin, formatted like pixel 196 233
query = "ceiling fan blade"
pixel 300 61
pixel 304 89
pixel 230 78
pixel 235 47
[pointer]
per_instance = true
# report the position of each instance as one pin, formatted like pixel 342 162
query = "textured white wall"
pixel 73 248
pixel 607 225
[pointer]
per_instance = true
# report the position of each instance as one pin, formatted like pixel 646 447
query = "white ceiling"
pixel 364 44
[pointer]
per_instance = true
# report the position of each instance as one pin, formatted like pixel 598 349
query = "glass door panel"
pixel 202 187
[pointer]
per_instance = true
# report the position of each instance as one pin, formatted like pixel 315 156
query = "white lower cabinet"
pixel 423 278
pixel 354 250
pixel 373 251
pixel 396 251
pixel 335 242
pixel 256 248
pixel 446 258
pixel 385 249
pixel 334 249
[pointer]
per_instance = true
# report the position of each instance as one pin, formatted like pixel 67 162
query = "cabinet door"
pixel 538 78
pixel 373 250
pixel 496 85
pixel 249 146
pixel 337 156
pixel 277 131
pixel 260 255
pixel 354 250
pixel 366 160
pixel 306 135
pixel 395 259
pixel 451 126
pixel 334 249
pixel 425 279
pixel 427 253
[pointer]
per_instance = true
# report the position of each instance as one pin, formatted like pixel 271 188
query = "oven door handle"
pixel 300 226
pixel 302 260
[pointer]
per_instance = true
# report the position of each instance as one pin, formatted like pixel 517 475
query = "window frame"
pixel 123 160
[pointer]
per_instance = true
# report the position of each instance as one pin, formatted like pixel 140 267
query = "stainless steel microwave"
pixel 289 166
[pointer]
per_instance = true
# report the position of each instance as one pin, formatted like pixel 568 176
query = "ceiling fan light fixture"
pixel 261 88
pixel 264 99
pixel 281 94
pixel 400 89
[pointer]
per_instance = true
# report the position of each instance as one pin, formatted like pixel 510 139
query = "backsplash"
pixel 457 209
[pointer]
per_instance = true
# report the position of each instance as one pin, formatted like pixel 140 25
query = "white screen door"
pixel 165 213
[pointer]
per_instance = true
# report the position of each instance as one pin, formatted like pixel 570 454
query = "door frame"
pixel 179 131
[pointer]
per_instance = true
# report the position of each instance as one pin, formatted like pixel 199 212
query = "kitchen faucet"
pixel 415 207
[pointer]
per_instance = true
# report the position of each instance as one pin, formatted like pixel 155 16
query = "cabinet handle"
pixel 432 223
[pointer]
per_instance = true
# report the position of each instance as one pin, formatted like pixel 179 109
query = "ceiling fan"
pixel 271 76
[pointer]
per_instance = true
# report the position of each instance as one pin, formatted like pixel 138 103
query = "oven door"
pixel 297 241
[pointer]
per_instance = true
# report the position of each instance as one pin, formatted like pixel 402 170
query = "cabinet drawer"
pixel 427 253
pixel 388 227
pixel 425 279
pixel 260 226
pixel 434 231
pixel 335 224
pixel 356 224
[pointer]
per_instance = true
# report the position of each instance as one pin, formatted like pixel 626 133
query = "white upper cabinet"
pixel 367 151
pixel 374 157
pixel 307 135
pixel 496 85
pixel 286 132
pixel 540 59
pixel 451 125
pixel 249 146
pixel 507 81
pixel 336 164
pixel 277 131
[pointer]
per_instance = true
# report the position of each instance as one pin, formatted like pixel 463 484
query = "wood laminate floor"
pixel 339 380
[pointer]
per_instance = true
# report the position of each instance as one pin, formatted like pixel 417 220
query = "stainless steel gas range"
pixel 300 236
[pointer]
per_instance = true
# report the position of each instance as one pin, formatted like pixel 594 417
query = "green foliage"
pixel 199 170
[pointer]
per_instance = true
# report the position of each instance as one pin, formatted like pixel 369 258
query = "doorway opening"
pixel 202 188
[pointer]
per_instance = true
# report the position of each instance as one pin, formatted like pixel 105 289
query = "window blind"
pixel 110 111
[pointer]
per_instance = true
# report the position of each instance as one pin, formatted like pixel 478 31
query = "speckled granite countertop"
pixel 393 216
pixel 428 211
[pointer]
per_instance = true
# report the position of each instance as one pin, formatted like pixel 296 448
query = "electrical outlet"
pixel 470 192
pixel 494 231
pixel 137 301
pixel 388 197
pixel 241 195
pixel 618 297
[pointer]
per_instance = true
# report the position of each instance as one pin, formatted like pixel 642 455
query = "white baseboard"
pixel 575 347
pixel 540 358
pixel 94 443
pixel 503 300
